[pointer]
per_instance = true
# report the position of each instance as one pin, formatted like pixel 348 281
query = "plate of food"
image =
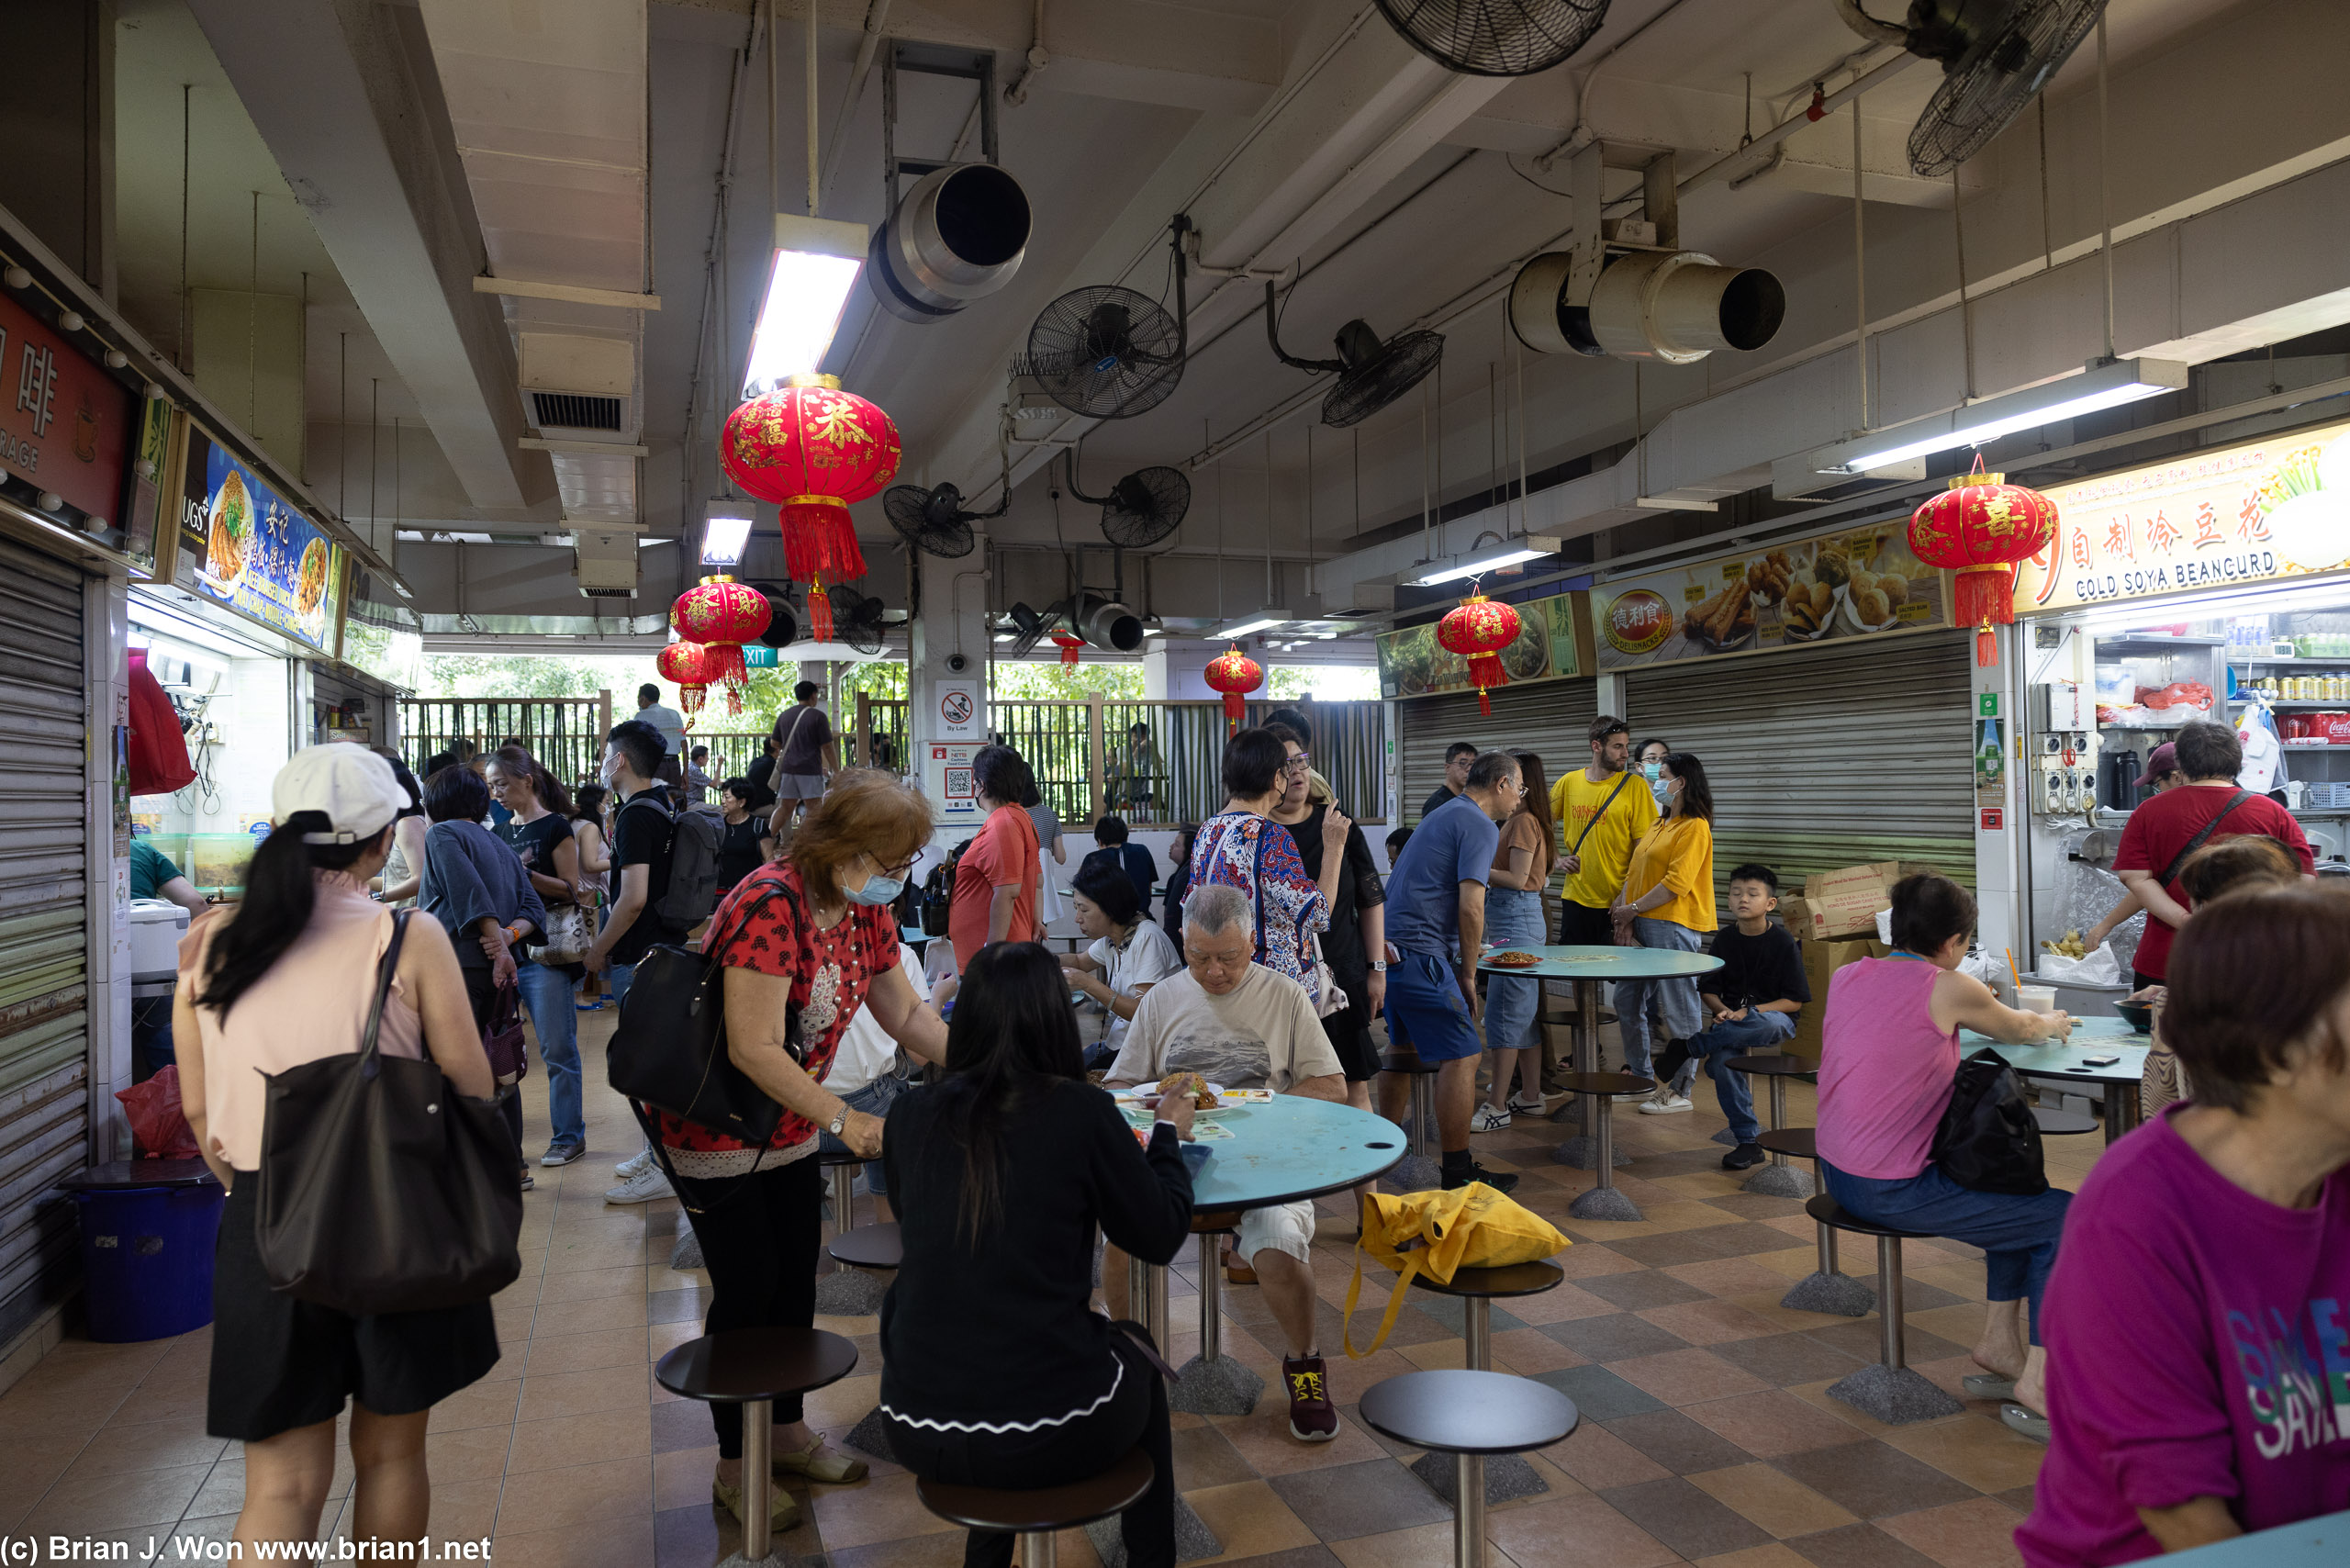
pixel 232 516
pixel 1873 601
pixel 311 578
pixel 1512 960
pixel 1205 1096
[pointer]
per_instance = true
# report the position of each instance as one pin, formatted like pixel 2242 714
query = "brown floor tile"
pixel 115 1501
pixel 1262 1439
pixel 1425 1546
pixel 1673 1246
pixel 1204 1457
pixel 937 1551
pixel 1860 1336
pixel 471 1453
pixel 1616 1337
pixel 1338 1503
pixel 1977 1534
pixel 1249 1519
pixel 610 1544
pixel 577 1394
pixel 567 1352
pixel 1560 1304
pixel 587 1284
pixel 157 1445
pixel 1982 1453
pixel 1873 1479
pixel 1785 1360
pixel 613 1489
pixel 1686 1377
pixel 1776 1501
pixel 1775 1556
pixel 1529 1350
pixel 590 1438
pixel 1676 1443
pixel 881 1508
pixel 1729 1276
pixel 1707 1322
pixel 1687 1520
pixel 1596 1458
pixel 1295 1557
pixel 1575 1532
pixel 1858 1546
pixel 593 1314
pixel 1589 1259
pixel 1771 1423
pixel 1647 1288
pixel 482 1404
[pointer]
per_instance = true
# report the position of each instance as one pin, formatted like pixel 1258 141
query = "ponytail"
pixel 275 910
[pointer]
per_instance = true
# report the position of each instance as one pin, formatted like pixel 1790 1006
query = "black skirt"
pixel 279 1363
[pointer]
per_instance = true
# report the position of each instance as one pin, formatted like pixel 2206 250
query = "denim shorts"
pixel 874 1100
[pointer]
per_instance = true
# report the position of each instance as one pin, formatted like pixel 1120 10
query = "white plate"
pixel 1147 1090
pixel 1852 614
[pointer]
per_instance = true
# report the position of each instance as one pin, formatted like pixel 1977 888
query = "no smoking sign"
pixel 956 706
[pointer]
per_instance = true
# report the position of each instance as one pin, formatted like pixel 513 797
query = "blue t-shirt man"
pixel 1454 844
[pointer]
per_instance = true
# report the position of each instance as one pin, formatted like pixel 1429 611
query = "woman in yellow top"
pixel 1667 901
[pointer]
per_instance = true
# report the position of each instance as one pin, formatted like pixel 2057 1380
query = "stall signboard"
pixel 1861 582
pixel 2269 508
pixel 245 546
pixel 65 424
pixel 147 531
pixel 1550 645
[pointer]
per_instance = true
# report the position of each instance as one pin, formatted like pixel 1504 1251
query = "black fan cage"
pixel 1993 81
pixel 1146 507
pixel 1362 393
pixel 857 620
pixel 940 531
pixel 1496 38
pixel 1105 352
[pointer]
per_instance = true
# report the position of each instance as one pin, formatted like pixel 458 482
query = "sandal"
pixel 818 1462
pixel 783 1511
pixel 2030 1423
pixel 1987 1385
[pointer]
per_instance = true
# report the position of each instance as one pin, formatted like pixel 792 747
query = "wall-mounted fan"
pixel 1496 38
pixel 1370 374
pixel 934 521
pixel 857 618
pixel 1029 626
pixel 1107 351
pixel 1141 508
pixel 1995 55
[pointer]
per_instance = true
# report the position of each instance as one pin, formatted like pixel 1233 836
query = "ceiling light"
pixel 1264 620
pixel 2098 386
pixel 816 263
pixel 1508 553
pixel 726 530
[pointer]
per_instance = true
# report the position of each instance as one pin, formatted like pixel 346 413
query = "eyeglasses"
pixel 1301 763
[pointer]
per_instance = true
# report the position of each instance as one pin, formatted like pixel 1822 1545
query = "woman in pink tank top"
pixel 288 977
pixel 1888 1058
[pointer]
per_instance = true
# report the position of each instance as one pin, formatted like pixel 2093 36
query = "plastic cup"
pixel 2036 998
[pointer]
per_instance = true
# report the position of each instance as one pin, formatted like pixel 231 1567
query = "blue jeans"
pixel 1513 916
pixel 546 998
pixel 874 1100
pixel 2017 1234
pixel 1675 998
pixel 617 980
pixel 1716 1045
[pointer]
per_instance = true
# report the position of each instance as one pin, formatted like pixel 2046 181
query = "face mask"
pixel 877 891
pixel 1654 771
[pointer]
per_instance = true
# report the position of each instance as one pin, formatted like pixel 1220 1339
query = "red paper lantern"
pixel 1982 528
pixel 681 664
pixel 812 449
pixel 1069 646
pixel 721 615
pixel 1236 674
pixel 1478 629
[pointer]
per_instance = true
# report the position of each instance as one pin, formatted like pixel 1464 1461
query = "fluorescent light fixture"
pixel 1264 620
pixel 1508 553
pixel 2098 386
pixel 816 263
pixel 726 530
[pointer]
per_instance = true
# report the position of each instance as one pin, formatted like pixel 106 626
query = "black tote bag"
pixel 1989 1140
pixel 382 1188
pixel 668 1050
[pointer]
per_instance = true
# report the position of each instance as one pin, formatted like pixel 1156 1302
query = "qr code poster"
pixel 959 783
pixel 947 780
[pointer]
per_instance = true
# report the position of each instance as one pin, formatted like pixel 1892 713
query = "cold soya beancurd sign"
pixel 1861 582
pixel 1549 646
pixel 2270 509
pixel 245 546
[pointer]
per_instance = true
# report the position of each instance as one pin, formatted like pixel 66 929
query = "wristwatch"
pixel 840 1120
pixel 1379 965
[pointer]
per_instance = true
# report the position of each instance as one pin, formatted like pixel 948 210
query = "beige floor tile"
pixel 1980 1452
pixel 1249 1519
pixel 593 1314
pixel 115 1500
pixel 1777 1502
pixel 1423 1546
pixel 1262 1439
pixel 1978 1533
pixel 878 1510
pixel 1576 1533
pixel 1772 1556
pixel 618 1490
pixel 598 1436
pixel 470 1453
pixel 611 1543
pixel 576 1393
pixel 586 1352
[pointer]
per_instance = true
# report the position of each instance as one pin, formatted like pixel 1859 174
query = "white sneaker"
pixel 639 1161
pixel 1639 1096
pixel 641 1188
pixel 1528 1105
pixel 1664 1104
pixel 1488 1120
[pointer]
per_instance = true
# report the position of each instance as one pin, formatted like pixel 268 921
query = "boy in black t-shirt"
pixel 1752 1000
pixel 643 835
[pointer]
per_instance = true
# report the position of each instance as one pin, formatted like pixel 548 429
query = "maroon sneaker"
pixel 1312 1417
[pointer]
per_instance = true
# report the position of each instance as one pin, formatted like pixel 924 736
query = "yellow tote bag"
pixel 1438 1232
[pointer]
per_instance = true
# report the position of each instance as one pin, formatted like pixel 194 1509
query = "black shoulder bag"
pixel 382 1188
pixel 1989 1140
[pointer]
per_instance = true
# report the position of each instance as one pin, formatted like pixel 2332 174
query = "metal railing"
pixel 566 734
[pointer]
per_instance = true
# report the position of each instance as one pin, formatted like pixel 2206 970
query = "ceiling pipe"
pixel 868 45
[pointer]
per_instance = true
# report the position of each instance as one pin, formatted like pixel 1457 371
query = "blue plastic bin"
pixel 147 1259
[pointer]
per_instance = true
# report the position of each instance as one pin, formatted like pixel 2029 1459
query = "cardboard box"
pixel 1843 904
pixel 1821 959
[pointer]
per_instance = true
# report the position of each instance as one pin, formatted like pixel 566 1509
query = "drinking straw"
pixel 2011 972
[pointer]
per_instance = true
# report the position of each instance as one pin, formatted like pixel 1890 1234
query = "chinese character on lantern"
pixel 721 615
pixel 812 449
pixel 1954 530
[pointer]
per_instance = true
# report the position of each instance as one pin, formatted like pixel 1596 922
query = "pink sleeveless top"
pixel 1885 1071
pixel 313 1003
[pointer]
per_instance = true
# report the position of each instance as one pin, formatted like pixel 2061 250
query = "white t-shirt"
pixel 866 1051
pixel 1261 1034
pixel 1147 958
pixel 672 725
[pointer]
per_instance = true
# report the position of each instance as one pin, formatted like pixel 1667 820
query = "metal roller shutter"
pixel 1549 719
pixel 44 993
pixel 1828 758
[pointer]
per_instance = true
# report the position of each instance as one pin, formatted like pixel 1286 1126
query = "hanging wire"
pixel 1517 372
pixel 2047 238
pixel 1965 316
pixel 1860 274
pixel 2105 181
pixel 187 91
pixel 1269 517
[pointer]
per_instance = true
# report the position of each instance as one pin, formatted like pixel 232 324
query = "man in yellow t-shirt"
pixel 1601 811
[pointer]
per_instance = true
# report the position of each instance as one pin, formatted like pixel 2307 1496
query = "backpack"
pixel 1988 1140
pixel 691 893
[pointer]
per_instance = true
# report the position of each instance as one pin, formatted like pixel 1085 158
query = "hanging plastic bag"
pixel 158 1125
pixel 2100 968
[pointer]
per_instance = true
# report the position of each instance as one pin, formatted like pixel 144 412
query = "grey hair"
pixel 1214 906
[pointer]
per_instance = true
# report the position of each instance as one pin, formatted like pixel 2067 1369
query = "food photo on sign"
pixel 1413 663
pixel 245 546
pixel 1861 582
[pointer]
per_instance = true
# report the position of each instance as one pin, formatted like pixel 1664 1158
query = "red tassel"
pixel 819 538
pixel 1987 648
pixel 1484 703
pixel 1235 709
pixel 819 612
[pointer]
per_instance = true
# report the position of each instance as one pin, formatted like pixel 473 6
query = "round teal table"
pixel 1589 969
pixel 2118 1081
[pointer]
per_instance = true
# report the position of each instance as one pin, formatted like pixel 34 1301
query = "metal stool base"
pixel 1583 1153
pixel 1218 1387
pixel 1605 1203
pixel 871 1437
pixel 849 1292
pixel 1839 1294
pixel 1508 1477
pixel 1780 1182
pixel 1415 1174
pixel 686 1255
pixel 1896 1395
pixel 1193 1540
pixel 1727 1138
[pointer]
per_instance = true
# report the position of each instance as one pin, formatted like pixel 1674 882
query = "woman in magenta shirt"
pixel 2199 1326
pixel 1888 1058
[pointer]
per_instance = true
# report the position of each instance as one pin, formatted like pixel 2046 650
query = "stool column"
pixel 1423 1113
pixel 1888 1299
pixel 758 1479
pixel 1158 1287
pixel 1779 1112
pixel 1211 1296
pixel 1039 1550
pixel 1469 1511
pixel 1139 1294
pixel 1477 1332
pixel 843 1181
pixel 1605 1107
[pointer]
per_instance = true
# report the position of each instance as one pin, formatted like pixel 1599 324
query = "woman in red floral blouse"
pixel 806 940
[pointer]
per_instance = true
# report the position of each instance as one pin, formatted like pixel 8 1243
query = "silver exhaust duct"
pixel 1677 307
pixel 959 235
pixel 1109 626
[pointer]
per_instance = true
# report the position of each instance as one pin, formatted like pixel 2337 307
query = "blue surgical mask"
pixel 1652 770
pixel 877 891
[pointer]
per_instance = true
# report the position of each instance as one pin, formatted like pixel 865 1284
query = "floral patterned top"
pixel 1257 855
pixel 830 972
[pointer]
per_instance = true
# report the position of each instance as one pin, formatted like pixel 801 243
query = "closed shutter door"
pixel 1552 719
pixel 1828 758
pixel 44 992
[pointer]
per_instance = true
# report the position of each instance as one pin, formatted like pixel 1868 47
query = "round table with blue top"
pixel 2104 1051
pixel 1589 969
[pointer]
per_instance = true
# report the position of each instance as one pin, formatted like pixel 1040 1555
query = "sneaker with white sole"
pixel 1636 1095
pixel 1528 1105
pixel 1664 1104
pixel 641 1188
pixel 640 1161
pixel 1488 1120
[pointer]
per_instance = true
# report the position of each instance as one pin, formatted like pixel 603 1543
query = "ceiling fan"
pixel 1370 374
pixel 1142 508
pixel 1995 56
pixel 1496 38
pixel 1108 352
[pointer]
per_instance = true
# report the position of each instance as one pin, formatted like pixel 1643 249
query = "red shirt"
pixel 2160 828
pixel 1003 852
pixel 830 972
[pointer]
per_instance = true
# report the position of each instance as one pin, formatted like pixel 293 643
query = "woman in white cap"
pixel 282 979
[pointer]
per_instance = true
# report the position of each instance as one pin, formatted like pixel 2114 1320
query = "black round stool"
pixel 1418 1170
pixel 1034 1515
pixel 2060 1124
pixel 1827 1288
pixel 1468 1415
pixel 1889 1389
pixel 1603 1201
pixel 754 1368
pixel 1506 1477
pixel 1777 1179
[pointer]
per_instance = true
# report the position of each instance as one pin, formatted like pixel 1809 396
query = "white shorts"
pixel 1284 1227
